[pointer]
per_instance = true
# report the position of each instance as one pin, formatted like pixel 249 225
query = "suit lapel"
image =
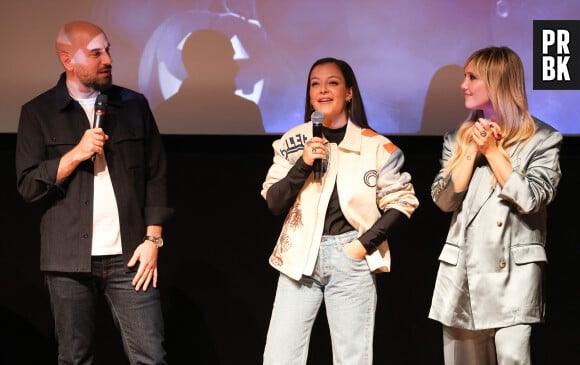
pixel 480 189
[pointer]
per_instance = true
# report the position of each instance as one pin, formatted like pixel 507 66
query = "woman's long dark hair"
pixel 355 109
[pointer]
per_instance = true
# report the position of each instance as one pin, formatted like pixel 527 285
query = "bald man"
pixel 102 192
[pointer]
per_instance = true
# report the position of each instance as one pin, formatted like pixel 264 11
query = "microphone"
pixel 317 118
pixel 100 111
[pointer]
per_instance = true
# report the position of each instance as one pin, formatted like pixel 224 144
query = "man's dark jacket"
pixel 51 125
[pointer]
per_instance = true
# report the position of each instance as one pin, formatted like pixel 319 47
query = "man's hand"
pixel 146 254
pixel 92 142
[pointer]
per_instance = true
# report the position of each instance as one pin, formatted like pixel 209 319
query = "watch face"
pixel 158 241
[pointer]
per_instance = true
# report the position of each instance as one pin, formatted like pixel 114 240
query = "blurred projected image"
pixel 207 96
pixel 237 66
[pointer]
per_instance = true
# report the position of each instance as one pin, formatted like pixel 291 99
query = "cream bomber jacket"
pixel 369 180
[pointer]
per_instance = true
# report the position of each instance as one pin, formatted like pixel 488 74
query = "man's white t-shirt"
pixel 106 228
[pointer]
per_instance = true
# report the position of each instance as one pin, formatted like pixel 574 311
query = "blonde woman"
pixel 499 171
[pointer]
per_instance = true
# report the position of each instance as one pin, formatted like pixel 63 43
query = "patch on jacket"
pixel 367 132
pixel 293 144
pixel 390 147
pixel 370 178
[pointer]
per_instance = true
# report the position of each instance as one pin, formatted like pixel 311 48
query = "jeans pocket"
pixel 350 258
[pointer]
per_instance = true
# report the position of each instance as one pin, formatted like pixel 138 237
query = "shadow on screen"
pixel 206 102
pixel 444 107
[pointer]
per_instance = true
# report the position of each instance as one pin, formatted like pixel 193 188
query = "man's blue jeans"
pixel 137 315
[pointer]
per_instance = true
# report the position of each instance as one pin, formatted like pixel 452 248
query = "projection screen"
pixel 240 67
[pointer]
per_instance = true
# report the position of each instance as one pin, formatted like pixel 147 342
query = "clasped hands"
pixel 485 134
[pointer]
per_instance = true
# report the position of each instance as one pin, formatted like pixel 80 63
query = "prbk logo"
pixel 557 54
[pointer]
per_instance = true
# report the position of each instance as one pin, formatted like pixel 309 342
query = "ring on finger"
pixel 483 133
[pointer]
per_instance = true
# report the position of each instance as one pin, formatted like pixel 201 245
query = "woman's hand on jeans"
pixel 355 250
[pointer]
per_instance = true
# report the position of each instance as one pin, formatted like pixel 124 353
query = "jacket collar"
pixel 352 138
pixel 64 100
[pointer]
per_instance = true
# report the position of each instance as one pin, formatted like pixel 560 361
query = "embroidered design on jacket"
pixel 293 221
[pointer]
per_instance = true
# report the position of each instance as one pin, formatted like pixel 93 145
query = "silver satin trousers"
pixel 501 346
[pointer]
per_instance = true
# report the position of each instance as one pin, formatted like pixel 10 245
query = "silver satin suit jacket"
pixel 491 266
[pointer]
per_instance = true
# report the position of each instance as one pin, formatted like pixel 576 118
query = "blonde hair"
pixel 502 71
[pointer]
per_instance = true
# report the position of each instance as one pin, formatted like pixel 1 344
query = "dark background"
pixel 218 288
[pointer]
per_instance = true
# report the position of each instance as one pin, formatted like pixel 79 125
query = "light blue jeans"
pixel 348 290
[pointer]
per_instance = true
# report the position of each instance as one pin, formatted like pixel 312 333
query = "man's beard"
pixel 97 84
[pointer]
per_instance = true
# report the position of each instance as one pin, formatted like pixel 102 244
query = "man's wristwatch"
pixel 157 241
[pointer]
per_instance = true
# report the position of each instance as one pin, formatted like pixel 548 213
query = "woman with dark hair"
pixel 334 238
pixel 499 171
